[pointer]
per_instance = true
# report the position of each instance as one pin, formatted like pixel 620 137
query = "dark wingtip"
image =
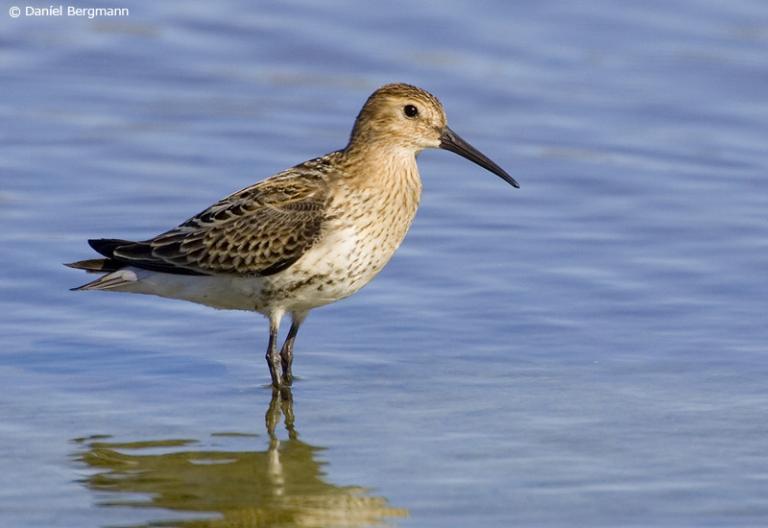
pixel 96 265
pixel 107 246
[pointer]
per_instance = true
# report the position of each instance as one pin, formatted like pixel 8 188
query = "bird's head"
pixel 405 117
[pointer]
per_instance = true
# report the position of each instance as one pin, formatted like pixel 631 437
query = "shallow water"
pixel 587 350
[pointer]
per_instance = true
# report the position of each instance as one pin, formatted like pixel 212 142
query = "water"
pixel 589 350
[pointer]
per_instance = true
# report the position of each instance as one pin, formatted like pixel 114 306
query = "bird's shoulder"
pixel 304 186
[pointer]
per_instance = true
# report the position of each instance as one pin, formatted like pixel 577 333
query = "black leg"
pixel 286 353
pixel 273 357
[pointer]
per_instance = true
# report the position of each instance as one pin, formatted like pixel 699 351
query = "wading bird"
pixel 305 237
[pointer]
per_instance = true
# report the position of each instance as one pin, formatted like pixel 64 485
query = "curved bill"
pixel 450 140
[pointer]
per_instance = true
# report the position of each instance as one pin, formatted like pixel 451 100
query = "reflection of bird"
pixel 305 237
pixel 285 485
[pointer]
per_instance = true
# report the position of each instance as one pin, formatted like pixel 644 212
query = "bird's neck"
pixel 382 164
pixel 387 181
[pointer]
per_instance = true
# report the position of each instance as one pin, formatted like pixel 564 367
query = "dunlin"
pixel 305 237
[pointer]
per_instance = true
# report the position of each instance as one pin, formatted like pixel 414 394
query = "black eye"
pixel 410 111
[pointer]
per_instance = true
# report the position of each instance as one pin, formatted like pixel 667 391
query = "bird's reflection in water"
pixel 283 485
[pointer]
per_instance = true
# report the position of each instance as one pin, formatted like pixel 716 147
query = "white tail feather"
pixel 115 280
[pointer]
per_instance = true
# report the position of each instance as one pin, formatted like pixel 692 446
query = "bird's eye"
pixel 410 111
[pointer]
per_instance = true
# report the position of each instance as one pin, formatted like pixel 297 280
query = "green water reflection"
pixel 283 485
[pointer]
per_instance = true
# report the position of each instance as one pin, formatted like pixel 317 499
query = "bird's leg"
pixel 286 353
pixel 273 357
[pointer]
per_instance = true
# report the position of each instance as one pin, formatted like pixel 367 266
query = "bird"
pixel 305 237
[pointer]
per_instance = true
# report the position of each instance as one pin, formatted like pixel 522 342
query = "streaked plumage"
pixel 305 237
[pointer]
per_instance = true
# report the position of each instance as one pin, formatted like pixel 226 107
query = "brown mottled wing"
pixel 260 230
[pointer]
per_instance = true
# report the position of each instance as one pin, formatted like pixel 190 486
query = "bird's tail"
pixel 96 265
pixel 116 277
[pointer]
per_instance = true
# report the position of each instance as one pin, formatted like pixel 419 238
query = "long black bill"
pixel 450 140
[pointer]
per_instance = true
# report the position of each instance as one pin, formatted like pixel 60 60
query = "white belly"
pixel 338 266
pixel 223 291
